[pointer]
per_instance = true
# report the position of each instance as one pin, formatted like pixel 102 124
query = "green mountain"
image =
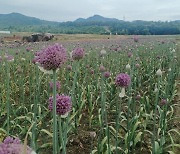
pixel 93 25
pixel 17 19
pixel 97 18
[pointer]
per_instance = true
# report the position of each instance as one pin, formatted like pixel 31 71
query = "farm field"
pixel 114 94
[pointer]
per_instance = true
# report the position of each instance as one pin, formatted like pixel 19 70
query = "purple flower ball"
pixel 107 74
pixel 78 53
pixel 52 57
pixel 130 54
pixel 28 49
pixel 163 102
pixel 92 71
pixel 13 146
pixel 102 68
pixel 63 104
pixel 58 85
pixel 138 97
pixel 69 67
pixel 9 58
pixel 123 80
pixel 137 65
pixel 9 140
pixel 34 60
pixel 14 149
pixel 136 39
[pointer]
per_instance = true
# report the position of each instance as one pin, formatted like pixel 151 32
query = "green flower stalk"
pixel 55 136
pixel 50 60
pixel 104 114
pixel 123 80
pixel 8 98
pixel 73 92
pixel 34 133
pixel 159 74
pixel 63 106
pixel 77 54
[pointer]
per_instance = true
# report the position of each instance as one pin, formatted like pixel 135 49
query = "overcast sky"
pixel 69 10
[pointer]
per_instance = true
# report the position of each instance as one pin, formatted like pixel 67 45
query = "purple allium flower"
pixel 58 85
pixel 9 140
pixel 107 74
pixel 78 53
pixel 69 67
pixel 138 97
pixel 137 65
pixel 136 39
pixel 35 60
pixel 14 149
pixel 9 58
pixel 52 57
pixel 130 54
pixel 123 80
pixel 13 146
pixel 63 104
pixel 115 49
pixel 163 102
pixel 102 68
pixel 92 71
pixel 28 49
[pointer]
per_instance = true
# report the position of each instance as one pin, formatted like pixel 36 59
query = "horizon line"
pixel 89 17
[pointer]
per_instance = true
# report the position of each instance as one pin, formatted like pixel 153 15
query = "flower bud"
pixel 128 66
pixel 103 52
pixel 137 65
pixel 159 72
pixel 155 89
pixel 138 97
pixel 102 68
pixel 107 74
pixel 92 134
pixel 163 102
pixel 122 94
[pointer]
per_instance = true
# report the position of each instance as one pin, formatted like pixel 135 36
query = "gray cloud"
pixel 65 10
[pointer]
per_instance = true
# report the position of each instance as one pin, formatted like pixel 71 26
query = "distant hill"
pixel 17 19
pixel 93 25
pixel 97 18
